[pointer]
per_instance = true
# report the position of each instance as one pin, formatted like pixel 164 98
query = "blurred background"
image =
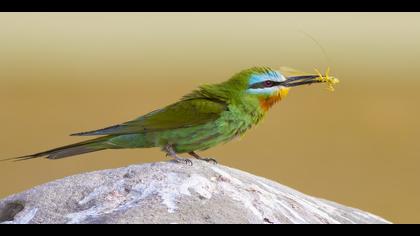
pixel 62 73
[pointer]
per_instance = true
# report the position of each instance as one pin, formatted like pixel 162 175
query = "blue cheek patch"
pixel 264 91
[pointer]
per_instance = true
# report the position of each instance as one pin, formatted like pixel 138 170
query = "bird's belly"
pixel 194 138
pixel 205 136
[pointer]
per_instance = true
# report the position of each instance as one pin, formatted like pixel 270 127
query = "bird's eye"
pixel 268 83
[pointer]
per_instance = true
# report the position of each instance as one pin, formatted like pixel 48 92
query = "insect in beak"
pixel 293 81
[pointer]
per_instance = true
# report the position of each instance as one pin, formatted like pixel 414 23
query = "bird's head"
pixel 259 85
pixel 270 86
pixel 266 85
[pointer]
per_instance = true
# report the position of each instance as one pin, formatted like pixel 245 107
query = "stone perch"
pixel 168 192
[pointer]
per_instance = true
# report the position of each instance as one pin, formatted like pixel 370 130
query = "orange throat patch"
pixel 267 102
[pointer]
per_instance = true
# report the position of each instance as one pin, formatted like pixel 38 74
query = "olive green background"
pixel 62 73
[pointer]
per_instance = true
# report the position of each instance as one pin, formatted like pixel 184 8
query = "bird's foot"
pixel 196 156
pixel 185 161
pixel 171 153
pixel 181 160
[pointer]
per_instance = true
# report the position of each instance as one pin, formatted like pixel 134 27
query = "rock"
pixel 168 192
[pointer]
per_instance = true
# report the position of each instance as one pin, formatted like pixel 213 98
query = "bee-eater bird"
pixel 208 116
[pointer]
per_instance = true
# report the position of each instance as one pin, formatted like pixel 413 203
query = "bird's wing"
pixel 185 113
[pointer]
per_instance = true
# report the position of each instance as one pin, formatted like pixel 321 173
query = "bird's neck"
pixel 266 102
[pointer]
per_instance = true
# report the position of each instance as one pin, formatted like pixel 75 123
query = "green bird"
pixel 204 118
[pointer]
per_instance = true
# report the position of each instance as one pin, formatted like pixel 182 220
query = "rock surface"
pixel 168 192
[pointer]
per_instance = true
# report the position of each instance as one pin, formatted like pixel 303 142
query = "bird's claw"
pixel 183 161
pixel 187 162
pixel 196 156
pixel 171 153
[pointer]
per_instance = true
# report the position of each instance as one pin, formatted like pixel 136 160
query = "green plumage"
pixel 208 116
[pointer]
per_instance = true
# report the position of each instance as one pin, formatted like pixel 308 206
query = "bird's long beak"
pixel 293 81
pixel 301 80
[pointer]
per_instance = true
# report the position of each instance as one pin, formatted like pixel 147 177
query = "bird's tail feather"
pixel 92 145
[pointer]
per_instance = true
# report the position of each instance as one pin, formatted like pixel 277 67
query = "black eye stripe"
pixel 263 84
